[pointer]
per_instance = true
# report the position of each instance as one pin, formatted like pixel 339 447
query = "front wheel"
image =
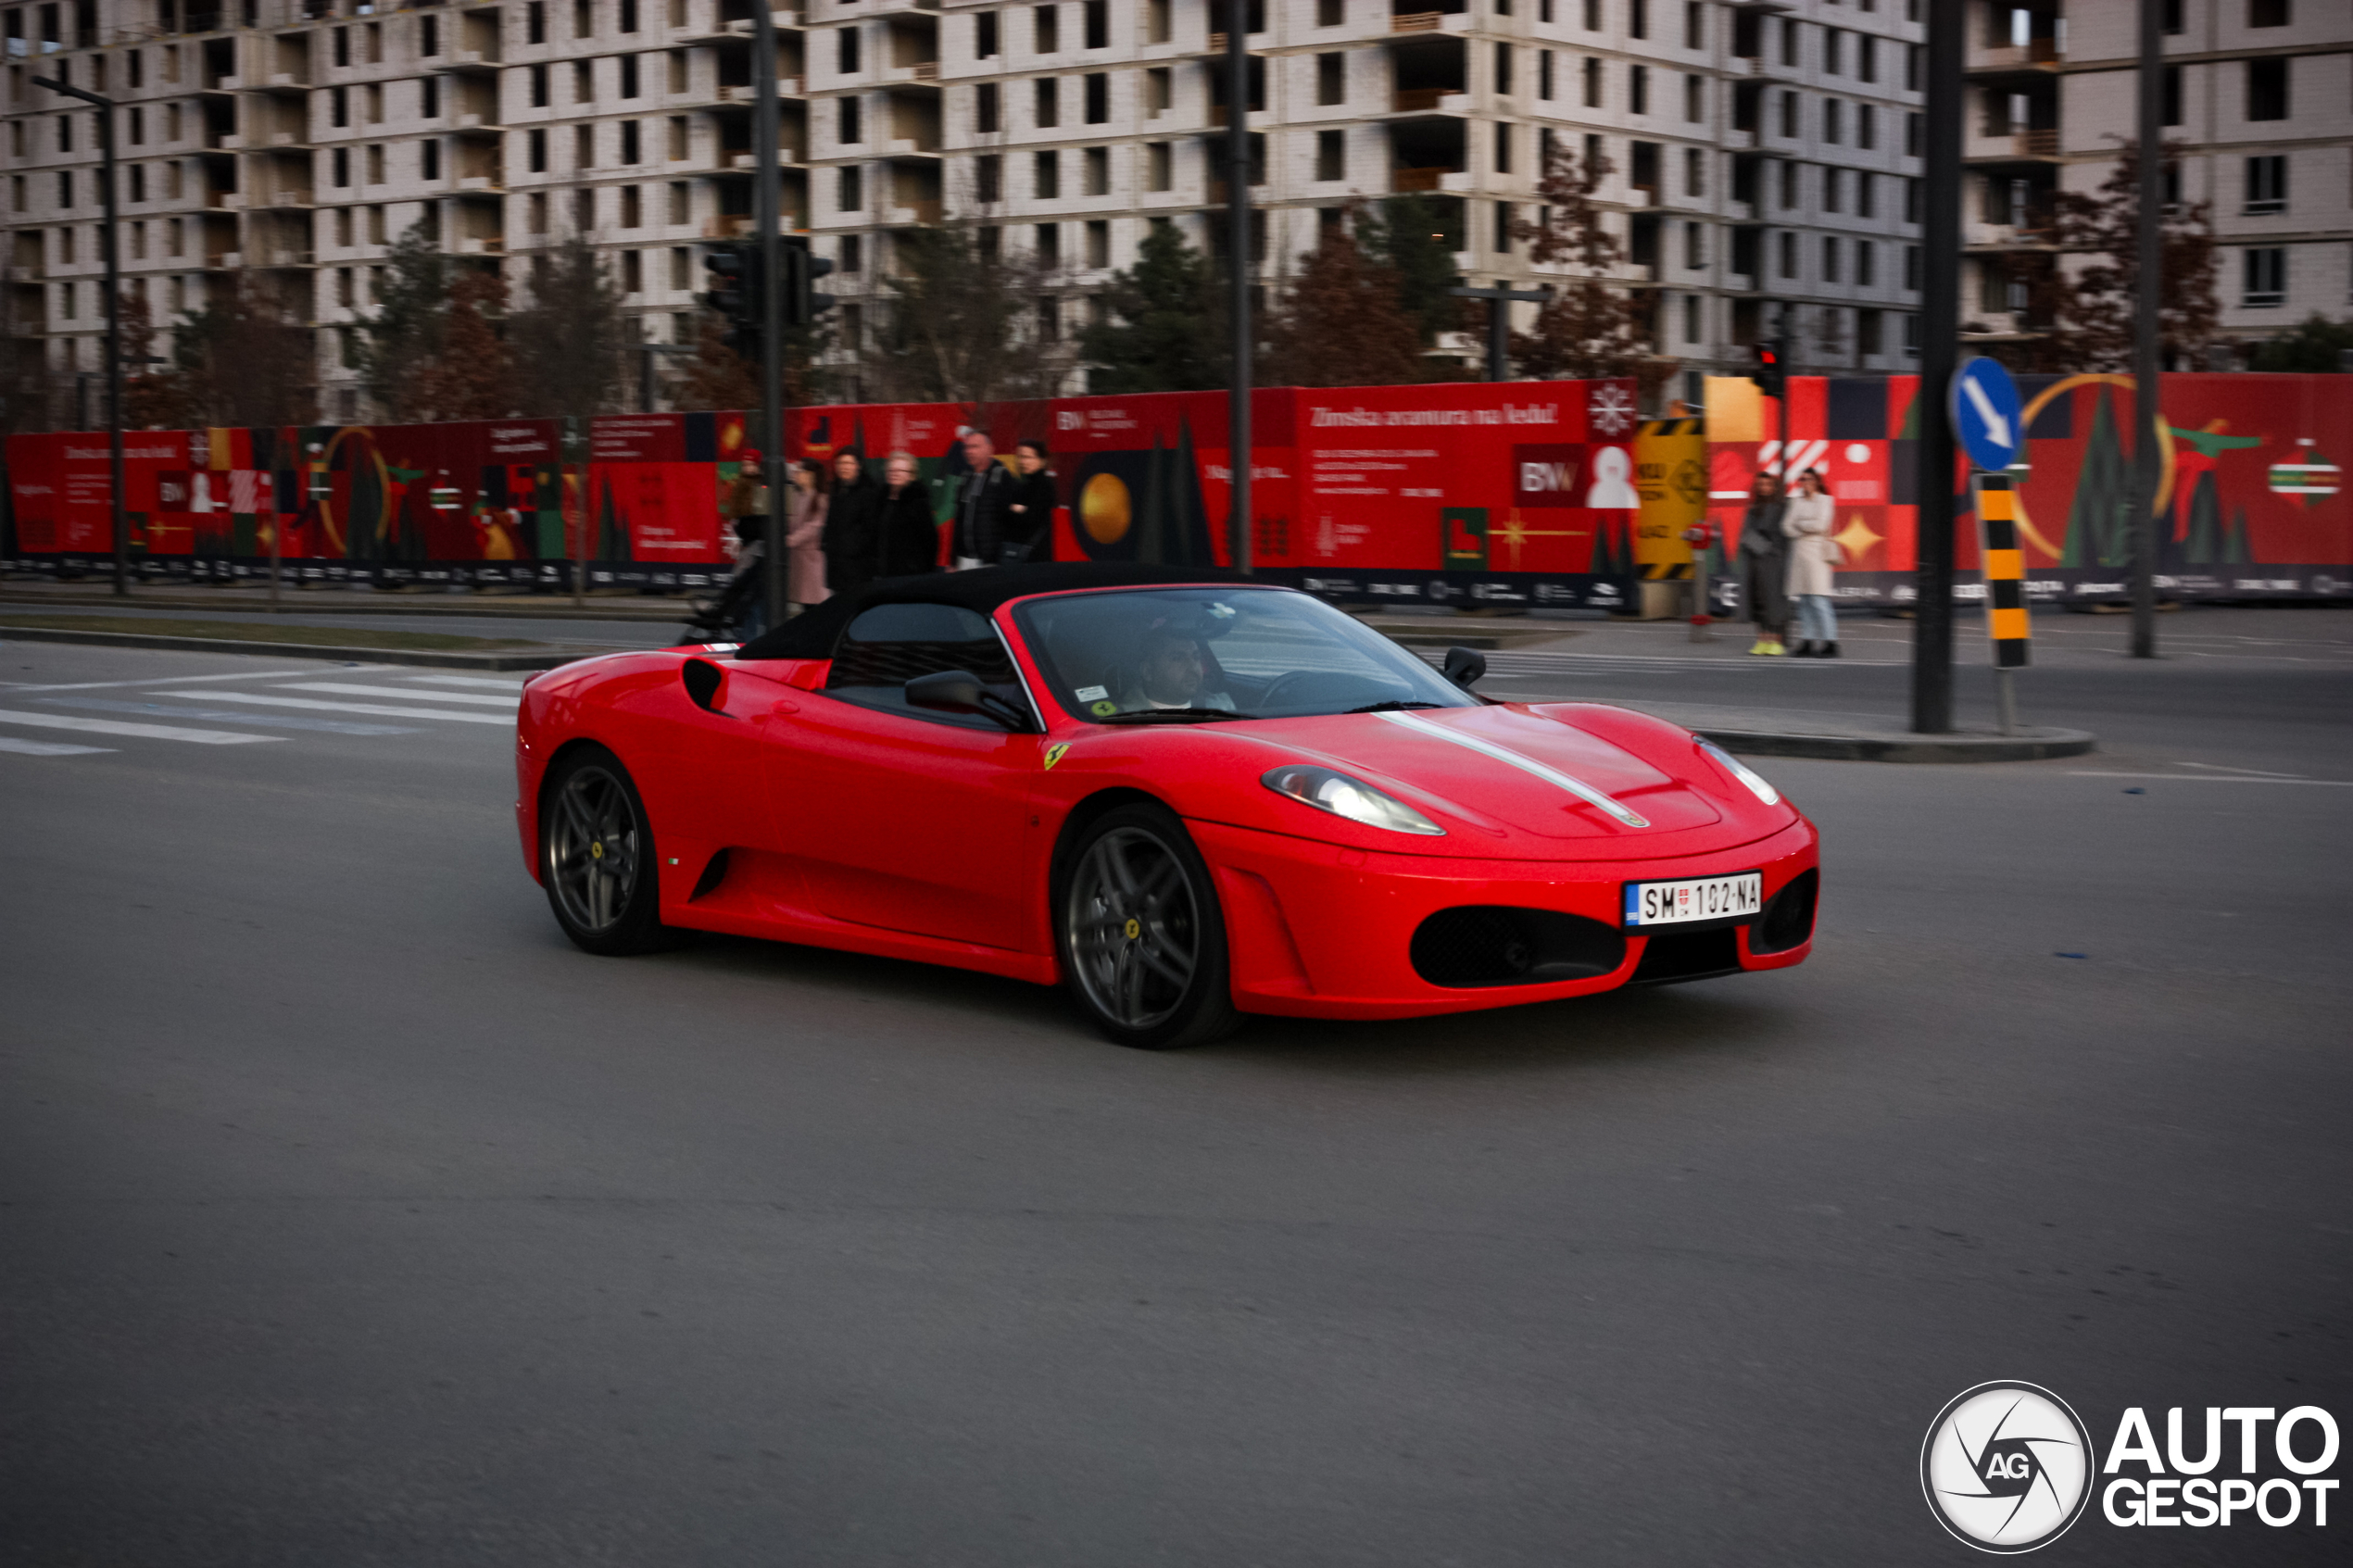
pixel 597 855
pixel 1143 941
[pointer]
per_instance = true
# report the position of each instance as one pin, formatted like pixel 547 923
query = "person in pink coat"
pixel 805 537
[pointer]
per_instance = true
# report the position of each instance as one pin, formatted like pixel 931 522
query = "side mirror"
pixel 948 691
pixel 960 691
pixel 704 681
pixel 1465 666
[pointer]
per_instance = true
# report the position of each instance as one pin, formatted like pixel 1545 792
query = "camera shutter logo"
pixel 2006 1467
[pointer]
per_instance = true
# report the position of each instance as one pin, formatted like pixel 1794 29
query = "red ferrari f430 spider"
pixel 1184 798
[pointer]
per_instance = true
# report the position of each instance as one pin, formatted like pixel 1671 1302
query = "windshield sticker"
pixel 1091 694
pixel 1103 709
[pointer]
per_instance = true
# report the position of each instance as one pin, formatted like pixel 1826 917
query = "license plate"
pixel 1694 899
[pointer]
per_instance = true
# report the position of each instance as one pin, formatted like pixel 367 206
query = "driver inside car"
pixel 1170 672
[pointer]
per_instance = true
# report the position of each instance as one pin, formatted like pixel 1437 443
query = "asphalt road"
pixel 349 1216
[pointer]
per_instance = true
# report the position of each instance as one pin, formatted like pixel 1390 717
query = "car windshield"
pixel 1178 655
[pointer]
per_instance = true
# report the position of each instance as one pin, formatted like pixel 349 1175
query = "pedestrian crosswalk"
pixel 268 699
pixel 211 710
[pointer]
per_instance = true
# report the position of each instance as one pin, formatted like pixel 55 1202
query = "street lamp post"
pixel 1237 435
pixel 1940 350
pixel 2149 262
pixel 112 249
pixel 767 210
pixel 1499 321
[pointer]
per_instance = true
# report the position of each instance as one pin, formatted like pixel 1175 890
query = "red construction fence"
pixel 1516 492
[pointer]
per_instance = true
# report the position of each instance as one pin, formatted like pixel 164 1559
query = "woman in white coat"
pixel 1807 520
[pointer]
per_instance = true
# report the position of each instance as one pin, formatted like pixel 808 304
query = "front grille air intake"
pixel 1493 944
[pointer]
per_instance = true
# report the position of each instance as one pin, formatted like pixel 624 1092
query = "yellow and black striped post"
pixel 2008 631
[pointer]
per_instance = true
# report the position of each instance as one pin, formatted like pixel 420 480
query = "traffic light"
pixel 736 294
pixel 803 303
pixel 1771 378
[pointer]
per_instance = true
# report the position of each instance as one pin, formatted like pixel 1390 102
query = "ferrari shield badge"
pixel 1054 754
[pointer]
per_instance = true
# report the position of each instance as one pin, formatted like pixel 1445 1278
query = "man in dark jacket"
pixel 1029 518
pixel 1763 565
pixel 986 490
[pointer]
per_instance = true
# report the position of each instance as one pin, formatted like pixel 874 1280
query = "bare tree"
pixel 245 359
pixel 969 323
pixel 1593 326
pixel 1342 323
pixel 470 375
pixel 2090 306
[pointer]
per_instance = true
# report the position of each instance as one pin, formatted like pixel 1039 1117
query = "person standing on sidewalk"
pixel 744 505
pixel 1763 565
pixel 985 492
pixel 1808 520
pixel 804 537
pixel 1029 515
pixel 851 523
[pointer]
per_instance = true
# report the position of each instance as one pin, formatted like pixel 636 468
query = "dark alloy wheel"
pixel 597 855
pixel 1143 943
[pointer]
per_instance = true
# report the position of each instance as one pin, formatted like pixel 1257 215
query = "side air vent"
pixel 1492 945
pixel 1788 921
pixel 713 875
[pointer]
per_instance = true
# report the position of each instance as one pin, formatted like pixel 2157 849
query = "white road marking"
pixel 346 688
pixel 162 681
pixel 2207 778
pixel 510 685
pixel 264 699
pixel 48 748
pixel 275 721
pixel 2256 772
pixel 117 727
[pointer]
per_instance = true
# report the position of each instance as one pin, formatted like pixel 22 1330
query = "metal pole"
pixel 1237 439
pixel 114 353
pixel 1499 328
pixel 2148 292
pixel 112 252
pixel 1940 342
pixel 767 207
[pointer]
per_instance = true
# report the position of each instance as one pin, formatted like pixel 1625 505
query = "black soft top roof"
pixel 814 633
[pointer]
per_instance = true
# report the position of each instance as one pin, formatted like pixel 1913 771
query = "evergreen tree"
pixel 152 397
pixel 1416 237
pixel 1166 334
pixel 395 343
pixel 2314 344
pixel 571 343
pixel 1342 323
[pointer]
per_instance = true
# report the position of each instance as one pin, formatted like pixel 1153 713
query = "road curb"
pixel 298 651
pixel 2034 745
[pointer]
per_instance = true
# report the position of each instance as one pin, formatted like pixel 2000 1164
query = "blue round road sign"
pixel 1985 409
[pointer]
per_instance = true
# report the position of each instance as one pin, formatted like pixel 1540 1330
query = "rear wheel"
pixel 1142 940
pixel 597 855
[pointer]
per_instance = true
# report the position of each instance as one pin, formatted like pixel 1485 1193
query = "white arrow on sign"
pixel 1995 426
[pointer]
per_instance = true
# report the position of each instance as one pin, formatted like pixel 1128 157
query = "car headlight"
pixel 1351 799
pixel 1747 775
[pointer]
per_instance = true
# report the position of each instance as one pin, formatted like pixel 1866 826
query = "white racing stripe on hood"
pixel 1552 776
